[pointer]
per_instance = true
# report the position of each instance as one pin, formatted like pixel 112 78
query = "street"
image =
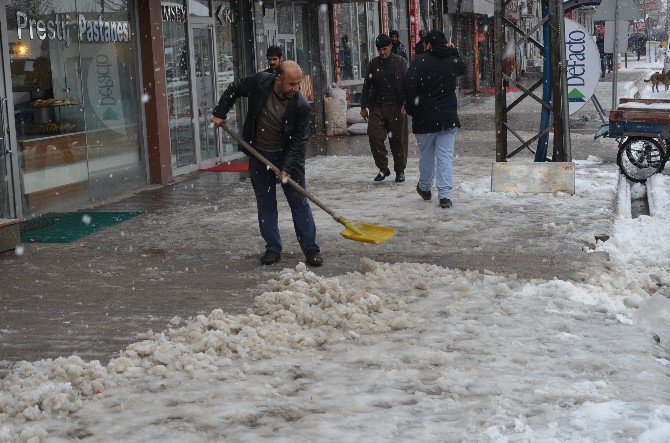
pixel 508 317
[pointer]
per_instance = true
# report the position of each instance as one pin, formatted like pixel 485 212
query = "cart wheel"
pixel 639 158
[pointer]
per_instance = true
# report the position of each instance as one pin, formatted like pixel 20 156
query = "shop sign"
pixel 583 65
pixel 224 15
pixel 90 31
pixel 173 13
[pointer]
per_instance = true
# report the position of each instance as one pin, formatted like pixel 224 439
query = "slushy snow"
pixel 403 351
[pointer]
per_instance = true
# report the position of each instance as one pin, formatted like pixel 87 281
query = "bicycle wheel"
pixel 639 158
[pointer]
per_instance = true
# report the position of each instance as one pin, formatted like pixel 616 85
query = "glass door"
pixel 8 162
pixel 180 112
pixel 204 89
pixel 6 181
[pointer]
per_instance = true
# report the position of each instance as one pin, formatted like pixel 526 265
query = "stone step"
pixel 10 235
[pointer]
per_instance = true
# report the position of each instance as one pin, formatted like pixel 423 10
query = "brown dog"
pixel 657 78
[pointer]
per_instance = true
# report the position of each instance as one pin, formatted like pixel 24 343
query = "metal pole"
pixel 545 116
pixel 615 55
pixel 567 145
pixel 557 104
pixel 501 103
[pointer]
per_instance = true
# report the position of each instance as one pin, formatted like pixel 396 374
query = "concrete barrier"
pixel 533 178
pixel 10 235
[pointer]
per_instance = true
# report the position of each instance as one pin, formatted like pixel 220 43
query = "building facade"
pixel 102 96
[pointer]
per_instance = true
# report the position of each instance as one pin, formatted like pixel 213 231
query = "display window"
pixel 74 75
pixel 356 26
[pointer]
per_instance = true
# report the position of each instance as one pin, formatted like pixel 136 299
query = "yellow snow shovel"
pixel 361 232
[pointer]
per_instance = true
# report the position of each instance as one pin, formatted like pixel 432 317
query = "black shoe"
pixel 399 177
pixel 445 203
pixel 426 195
pixel 270 257
pixel 314 258
pixel 383 173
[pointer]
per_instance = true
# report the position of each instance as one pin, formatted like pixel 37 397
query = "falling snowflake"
pixel 145 98
pixel 19 250
pixel 86 219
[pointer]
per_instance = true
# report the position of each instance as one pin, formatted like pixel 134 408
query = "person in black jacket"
pixel 383 95
pixel 600 43
pixel 277 125
pixel 419 48
pixel 274 56
pixel 398 47
pixel 430 98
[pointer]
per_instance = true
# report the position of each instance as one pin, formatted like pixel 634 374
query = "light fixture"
pixel 19 49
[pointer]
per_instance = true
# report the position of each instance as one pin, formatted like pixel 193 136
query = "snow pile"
pixel 298 310
pixel 639 242
pixel 50 387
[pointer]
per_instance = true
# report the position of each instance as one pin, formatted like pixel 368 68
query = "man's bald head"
pixel 288 79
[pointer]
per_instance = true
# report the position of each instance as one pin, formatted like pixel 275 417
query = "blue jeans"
pixel 264 182
pixel 436 146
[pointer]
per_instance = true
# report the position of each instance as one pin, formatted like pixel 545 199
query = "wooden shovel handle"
pixel 276 170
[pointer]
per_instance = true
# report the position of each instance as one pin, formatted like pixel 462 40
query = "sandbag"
pixel 336 117
pixel 358 129
pixel 354 116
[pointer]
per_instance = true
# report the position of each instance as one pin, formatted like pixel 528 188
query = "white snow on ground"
pixel 403 351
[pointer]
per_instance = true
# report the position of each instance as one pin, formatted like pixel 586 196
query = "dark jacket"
pixel 600 43
pixel 372 80
pixel 399 49
pixel 295 129
pixel 430 90
pixel 419 48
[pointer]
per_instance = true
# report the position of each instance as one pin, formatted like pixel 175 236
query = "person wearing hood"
pixel 430 98
pixel 398 47
pixel 383 95
pixel 419 48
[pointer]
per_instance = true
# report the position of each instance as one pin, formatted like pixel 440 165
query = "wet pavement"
pixel 93 296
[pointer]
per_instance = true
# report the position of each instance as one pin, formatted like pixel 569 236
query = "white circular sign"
pixel 582 63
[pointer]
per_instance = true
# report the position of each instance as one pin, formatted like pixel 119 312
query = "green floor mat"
pixel 66 227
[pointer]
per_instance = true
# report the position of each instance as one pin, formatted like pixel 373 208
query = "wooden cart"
pixel 642 127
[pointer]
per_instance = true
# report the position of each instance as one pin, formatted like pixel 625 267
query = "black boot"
pixel 426 195
pixel 445 203
pixel 399 177
pixel 383 173
pixel 314 258
pixel 270 257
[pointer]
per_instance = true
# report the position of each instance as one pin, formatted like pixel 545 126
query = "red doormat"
pixel 493 91
pixel 229 167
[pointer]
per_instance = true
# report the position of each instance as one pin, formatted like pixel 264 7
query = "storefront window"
pixel 293 33
pixel 293 38
pixel 357 26
pixel 111 103
pixel 397 10
pixel 325 44
pixel 76 101
pixel 199 8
